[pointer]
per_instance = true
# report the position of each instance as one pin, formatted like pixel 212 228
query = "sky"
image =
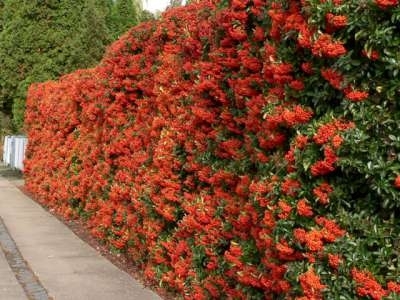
pixel 154 5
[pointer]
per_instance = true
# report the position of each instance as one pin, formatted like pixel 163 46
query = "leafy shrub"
pixel 236 149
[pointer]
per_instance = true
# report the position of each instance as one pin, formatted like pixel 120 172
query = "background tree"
pixel 42 40
pixel 146 16
pixel 1 14
pixel 105 9
pixel 174 3
pixel 124 15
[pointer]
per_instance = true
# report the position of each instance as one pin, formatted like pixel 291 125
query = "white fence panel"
pixel 14 151
pixel 6 150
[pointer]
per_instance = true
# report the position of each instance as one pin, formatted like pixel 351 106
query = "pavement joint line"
pixel 31 285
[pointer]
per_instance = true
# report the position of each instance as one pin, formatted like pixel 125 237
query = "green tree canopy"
pixel 43 39
pixel 40 40
pixel 124 15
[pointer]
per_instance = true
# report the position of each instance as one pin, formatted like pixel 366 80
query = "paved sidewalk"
pixel 9 286
pixel 63 264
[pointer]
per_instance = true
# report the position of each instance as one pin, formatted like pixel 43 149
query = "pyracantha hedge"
pixel 236 149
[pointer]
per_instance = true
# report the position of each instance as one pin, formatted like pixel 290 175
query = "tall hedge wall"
pixel 236 149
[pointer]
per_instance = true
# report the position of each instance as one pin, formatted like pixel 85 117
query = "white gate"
pixel 14 151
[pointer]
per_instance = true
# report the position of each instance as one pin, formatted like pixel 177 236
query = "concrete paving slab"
pixel 25 276
pixel 66 266
pixel 9 286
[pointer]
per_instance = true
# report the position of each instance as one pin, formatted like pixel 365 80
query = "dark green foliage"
pixel 1 14
pixel 124 15
pixel 146 16
pixel 41 40
pixel 104 9
pixel 175 3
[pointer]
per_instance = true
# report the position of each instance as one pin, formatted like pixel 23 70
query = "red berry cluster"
pixel 182 149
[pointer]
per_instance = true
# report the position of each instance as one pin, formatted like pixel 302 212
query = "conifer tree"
pixel 105 10
pixel 146 16
pixel 1 14
pixel 42 40
pixel 175 3
pixel 125 14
